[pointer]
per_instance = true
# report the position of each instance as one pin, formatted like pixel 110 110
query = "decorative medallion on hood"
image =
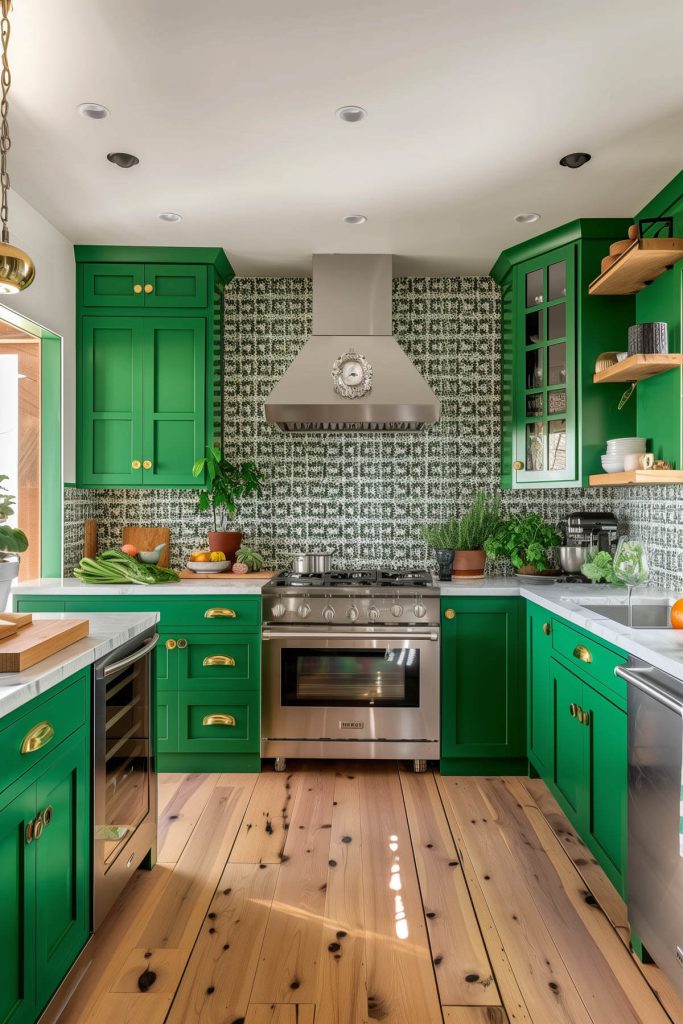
pixel 352 375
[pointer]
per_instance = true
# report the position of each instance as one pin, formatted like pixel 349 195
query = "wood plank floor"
pixel 351 893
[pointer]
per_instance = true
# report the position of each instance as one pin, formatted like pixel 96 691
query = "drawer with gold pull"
pixel 215 661
pixel 30 733
pixel 221 613
pixel 215 722
pixel 583 652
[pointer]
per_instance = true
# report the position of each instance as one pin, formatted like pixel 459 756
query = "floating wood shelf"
pixel 644 260
pixel 637 476
pixel 638 367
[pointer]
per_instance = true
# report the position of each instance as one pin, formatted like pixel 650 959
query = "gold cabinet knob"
pixel 135 464
pixel 449 614
pixel 37 827
pixel 137 288
pixel 147 464
pixel 518 465
pixel 171 645
pixel 47 815
pixel 182 644
pixel 220 613
pixel 218 719
pixel 547 628
pixel 37 737
pixel 28 834
pixel 585 717
pixel 583 654
pixel 148 289
pixel 573 710
pixel 218 659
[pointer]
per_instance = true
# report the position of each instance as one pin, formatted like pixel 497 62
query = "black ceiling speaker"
pixel 575 160
pixel 123 159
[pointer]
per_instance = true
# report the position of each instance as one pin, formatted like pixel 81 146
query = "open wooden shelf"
pixel 636 476
pixel 644 260
pixel 638 367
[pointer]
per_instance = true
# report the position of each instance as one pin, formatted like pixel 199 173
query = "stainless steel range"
pixel 351 666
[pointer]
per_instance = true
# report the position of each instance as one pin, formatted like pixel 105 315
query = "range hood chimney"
pixel 352 374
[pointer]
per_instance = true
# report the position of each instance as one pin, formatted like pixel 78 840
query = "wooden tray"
pixel 187 574
pixel 12 622
pixel 38 641
pixel 146 538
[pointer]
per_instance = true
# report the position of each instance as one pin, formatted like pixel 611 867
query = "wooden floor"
pixel 354 893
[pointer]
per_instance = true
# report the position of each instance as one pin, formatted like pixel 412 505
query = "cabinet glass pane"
pixel 557 444
pixel 534 327
pixel 534 368
pixel 557 321
pixel 557 401
pixel 557 281
pixel 557 364
pixel 534 288
pixel 534 405
pixel 535 446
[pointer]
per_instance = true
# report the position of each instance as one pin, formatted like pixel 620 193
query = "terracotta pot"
pixel 227 541
pixel 469 563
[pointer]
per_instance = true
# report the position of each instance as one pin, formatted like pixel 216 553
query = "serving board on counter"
pixel 39 640
pixel 11 623
pixel 146 538
pixel 187 574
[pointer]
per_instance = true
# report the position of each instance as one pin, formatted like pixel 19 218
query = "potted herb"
pixel 12 543
pixel 470 533
pixel 228 483
pixel 525 540
pixel 439 537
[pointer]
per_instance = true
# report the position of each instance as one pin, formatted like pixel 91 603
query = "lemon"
pixel 217 556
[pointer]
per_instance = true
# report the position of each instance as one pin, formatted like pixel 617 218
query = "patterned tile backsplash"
pixel 365 495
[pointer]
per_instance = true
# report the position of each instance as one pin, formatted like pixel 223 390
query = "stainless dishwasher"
pixel 655 864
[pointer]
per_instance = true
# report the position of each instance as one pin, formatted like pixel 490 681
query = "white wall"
pixel 50 301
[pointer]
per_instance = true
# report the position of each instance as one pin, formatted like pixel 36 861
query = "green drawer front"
pixel 588 655
pixel 219 614
pixel 211 661
pixel 239 712
pixel 39 604
pixel 114 284
pixel 175 286
pixel 167 723
pixel 45 725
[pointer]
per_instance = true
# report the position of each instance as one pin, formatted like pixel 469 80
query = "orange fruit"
pixel 677 614
pixel 201 556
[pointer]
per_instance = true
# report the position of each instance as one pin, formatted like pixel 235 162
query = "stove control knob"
pixel 373 613
pixel 304 610
pixel 420 611
pixel 352 613
pixel 278 610
pixel 328 613
pixel 397 610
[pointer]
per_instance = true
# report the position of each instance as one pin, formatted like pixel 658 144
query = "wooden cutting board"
pixel 39 640
pixel 12 622
pixel 146 538
pixel 187 574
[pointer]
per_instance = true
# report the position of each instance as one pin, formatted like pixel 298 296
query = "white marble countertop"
pixel 108 630
pixel 68 586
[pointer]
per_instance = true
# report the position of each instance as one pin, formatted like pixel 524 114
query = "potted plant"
pixel 228 483
pixel 525 540
pixel 470 533
pixel 12 543
pixel 439 537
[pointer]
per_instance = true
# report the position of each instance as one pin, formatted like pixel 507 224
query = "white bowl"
pixel 209 566
pixel 632 444
pixel 612 465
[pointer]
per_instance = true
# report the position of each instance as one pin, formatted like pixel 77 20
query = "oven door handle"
pixel 310 635
pixel 132 658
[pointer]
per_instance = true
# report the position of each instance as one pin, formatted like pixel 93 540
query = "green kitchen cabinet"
pixel 569 777
pixel 149 363
pixel 554 420
pixel 540 708
pixel 482 686
pixel 17 893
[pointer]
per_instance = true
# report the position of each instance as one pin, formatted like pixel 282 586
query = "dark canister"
pixel 444 560
pixel 648 339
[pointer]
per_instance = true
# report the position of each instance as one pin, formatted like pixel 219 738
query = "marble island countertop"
pixel 108 630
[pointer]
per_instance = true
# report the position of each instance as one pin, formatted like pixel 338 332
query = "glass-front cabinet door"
pixel 544 444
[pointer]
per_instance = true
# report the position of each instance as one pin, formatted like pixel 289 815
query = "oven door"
pixel 366 686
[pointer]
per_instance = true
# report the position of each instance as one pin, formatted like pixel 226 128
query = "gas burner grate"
pixel 354 578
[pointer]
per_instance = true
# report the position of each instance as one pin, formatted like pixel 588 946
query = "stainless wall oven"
pixel 124 790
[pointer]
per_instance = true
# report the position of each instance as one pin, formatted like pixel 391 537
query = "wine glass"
pixel 631 567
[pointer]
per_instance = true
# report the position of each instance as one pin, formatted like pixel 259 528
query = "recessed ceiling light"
pixel 575 160
pixel 172 218
pixel 527 218
pixel 351 114
pixel 95 111
pixel 123 159
pixel 355 218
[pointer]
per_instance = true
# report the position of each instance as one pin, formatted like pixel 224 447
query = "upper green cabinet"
pixel 554 420
pixel 149 363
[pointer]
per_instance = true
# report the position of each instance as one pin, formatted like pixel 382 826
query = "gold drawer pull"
pixel 449 613
pixel 218 659
pixel 137 288
pixel 547 628
pixel 218 719
pixel 148 289
pixel 583 654
pixel 220 613
pixel 37 737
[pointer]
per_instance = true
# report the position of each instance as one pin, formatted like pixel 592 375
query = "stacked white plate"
pixel 618 448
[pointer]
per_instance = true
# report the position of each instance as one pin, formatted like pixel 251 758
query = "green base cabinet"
pixel 45 869
pixel 482 686
pixel 540 708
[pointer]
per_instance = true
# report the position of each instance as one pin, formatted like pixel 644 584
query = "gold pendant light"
pixel 16 267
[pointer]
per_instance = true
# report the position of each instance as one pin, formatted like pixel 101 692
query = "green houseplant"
pixel 228 483
pixel 12 543
pixel 439 537
pixel 525 540
pixel 470 533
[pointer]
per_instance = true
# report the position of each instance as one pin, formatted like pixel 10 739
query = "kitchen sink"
pixel 645 616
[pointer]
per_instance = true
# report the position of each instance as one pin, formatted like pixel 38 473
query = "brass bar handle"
pixel 547 628
pixel 218 719
pixel 220 613
pixel 37 737
pixel 218 659
pixel 148 289
pixel 137 288
pixel 136 464
pixel 147 464
pixel 449 613
pixel 518 465
pixel 583 654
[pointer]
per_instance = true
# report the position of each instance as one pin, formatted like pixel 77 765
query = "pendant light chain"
pixel 5 141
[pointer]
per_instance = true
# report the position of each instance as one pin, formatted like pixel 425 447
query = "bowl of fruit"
pixel 208 561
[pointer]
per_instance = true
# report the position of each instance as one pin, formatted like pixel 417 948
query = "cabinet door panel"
pixel 569 741
pixel 174 399
pixel 167 722
pixel 111 391
pixel 17 887
pixel 214 661
pixel 540 722
pixel 113 285
pixel 175 287
pixel 607 782
pixel 216 723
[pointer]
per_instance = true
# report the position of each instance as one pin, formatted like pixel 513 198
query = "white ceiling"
pixel 230 107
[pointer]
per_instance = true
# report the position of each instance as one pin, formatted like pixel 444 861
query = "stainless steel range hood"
pixel 352 317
